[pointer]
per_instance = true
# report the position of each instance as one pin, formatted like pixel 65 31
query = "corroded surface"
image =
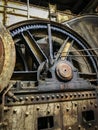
pixel 66 116
pixel 1 55
pixel 7 57
pixel 64 71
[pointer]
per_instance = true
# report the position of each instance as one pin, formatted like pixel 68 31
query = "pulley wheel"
pixel 7 57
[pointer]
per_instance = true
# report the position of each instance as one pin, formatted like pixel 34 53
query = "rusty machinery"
pixel 52 86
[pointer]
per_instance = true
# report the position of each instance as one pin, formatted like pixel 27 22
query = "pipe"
pixel 28 16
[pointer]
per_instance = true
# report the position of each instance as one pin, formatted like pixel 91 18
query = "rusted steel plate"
pixel 7 57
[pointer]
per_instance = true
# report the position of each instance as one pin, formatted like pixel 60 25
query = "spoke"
pixel 50 44
pixel 66 50
pixel 62 48
pixel 34 47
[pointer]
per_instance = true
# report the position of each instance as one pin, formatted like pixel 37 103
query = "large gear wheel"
pixel 32 40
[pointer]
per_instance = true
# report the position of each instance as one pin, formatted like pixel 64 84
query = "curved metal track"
pixel 37 41
pixel 7 57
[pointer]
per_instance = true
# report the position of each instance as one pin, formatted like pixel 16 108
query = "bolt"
pixel 32 97
pixel 75 104
pixel 67 109
pixel 26 98
pixel 21 98
pixel 70 95
pixel 94 94
pixel 38 108
pixel 37 98
pixel 79 94
pixel 27 114
pixel 86 94
pixel 48 112
pixel 43 97
pixel 53 96
pixel 58 106
pixel 14 111
pixel 66 95
pixel 84 107
pixel 90 94
pixel 48 97
pixel 62 95
pixel 57 96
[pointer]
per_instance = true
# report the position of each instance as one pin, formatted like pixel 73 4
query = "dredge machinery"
pixel 49 75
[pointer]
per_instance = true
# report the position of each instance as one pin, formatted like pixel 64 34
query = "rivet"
pixel 48 97
pixel 90 94
pixel 27 113
pixel 53 96
pixel 37 98
pixel 26 98
pixel 86 94
pixel 62 95
pixel 57 96
pixel 43 97
pixel 75 94
pixel 14 111
pixel 75 104
pixel 84 107
pixel 37 108
pixel 93 94
pixel 67 109
pixel 69 128
pixel 79 94
pixel 58 106
pixel 21 98
pixel 66 95
pixel 70 95
pixel 32 97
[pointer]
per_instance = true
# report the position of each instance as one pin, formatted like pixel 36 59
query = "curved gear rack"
pixel 37 41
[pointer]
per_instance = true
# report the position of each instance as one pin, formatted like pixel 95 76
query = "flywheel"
pixel 37 41
pixel 7 57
